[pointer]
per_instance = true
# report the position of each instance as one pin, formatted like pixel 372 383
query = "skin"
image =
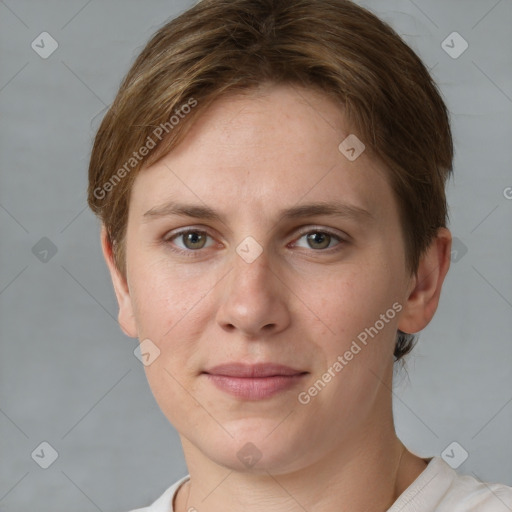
pixel 299 304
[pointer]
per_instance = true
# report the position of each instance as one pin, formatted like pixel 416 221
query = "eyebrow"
pixel 335 209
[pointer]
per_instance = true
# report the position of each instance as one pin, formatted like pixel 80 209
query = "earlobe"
pixel 125 317
pixel 423 299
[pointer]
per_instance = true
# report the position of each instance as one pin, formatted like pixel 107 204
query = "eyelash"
pixel 193 253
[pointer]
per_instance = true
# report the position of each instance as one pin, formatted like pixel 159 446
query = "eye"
pixel 319 240
pixel 192 240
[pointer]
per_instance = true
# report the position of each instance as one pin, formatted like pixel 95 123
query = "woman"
pixel 270 180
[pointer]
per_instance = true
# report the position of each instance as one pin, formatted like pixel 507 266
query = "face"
pixel 257 242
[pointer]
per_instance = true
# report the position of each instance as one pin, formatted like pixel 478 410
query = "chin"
pixel 259 451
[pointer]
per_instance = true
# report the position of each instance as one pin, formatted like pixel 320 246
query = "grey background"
pixel 69 376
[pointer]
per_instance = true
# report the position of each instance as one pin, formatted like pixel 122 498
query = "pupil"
pixel 194 238
pixel 320 238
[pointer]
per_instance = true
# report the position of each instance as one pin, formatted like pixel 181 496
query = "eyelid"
pixel 182 231
pixel 322 229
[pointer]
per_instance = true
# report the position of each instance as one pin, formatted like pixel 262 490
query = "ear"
pixel 426 284
pixel 125 317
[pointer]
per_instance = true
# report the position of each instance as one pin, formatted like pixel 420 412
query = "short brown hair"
pixel 220 47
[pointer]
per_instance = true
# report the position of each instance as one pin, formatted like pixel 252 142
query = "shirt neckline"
pixel 437 473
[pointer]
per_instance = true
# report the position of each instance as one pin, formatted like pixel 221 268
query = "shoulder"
pixel 441 489
pixel 165 502
pixel 467 493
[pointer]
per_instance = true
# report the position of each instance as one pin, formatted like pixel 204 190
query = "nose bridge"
pixel 251 266
pixel 250 227
pixel 253 298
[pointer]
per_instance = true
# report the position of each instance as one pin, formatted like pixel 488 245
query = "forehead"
pixel 266 149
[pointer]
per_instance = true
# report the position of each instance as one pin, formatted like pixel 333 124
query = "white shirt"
pixel 438 488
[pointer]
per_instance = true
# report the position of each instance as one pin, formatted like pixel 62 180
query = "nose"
pixel 254 299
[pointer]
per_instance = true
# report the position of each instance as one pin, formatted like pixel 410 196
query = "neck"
pixel 348 479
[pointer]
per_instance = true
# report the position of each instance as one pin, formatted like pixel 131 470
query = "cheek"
pixel 357 348
pixel 165 297
pixel 361 309
pixel 170 312
pixel 351 299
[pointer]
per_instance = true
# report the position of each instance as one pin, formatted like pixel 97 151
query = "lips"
pixel 254 382
pixel 253 370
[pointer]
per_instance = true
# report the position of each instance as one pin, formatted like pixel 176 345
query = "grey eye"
pixel 194 240
pixel 318 240
pixel 190 240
